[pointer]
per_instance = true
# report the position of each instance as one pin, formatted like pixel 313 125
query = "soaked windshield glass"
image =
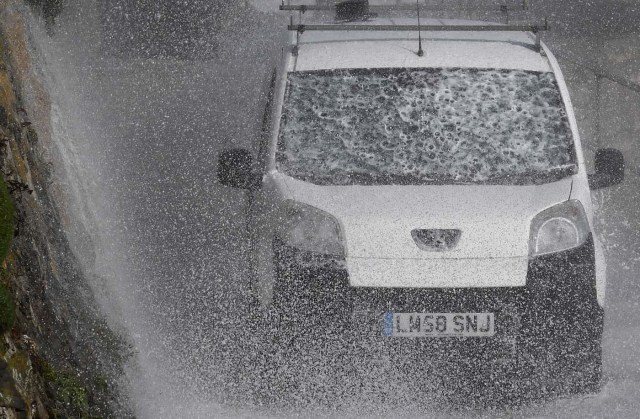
pixel 423 126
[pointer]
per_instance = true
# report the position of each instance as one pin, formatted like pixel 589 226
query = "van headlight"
pixel 310 229
pixel 561 227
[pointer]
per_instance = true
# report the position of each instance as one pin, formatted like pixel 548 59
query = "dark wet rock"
pixel 9 395
pixel 4 120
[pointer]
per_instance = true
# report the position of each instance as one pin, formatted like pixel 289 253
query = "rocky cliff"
pixel 58 356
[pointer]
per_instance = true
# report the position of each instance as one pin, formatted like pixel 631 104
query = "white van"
pixel 438 197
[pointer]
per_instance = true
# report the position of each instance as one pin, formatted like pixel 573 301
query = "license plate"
pixel 416 325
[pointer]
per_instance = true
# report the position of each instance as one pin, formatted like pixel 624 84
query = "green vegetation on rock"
pixel 7 306
pixel 71 392
pixel 68 389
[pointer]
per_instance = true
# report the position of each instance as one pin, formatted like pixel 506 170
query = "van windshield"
pixel 424 126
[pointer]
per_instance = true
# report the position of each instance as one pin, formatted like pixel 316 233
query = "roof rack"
pixel 535 28
pixel 399 7
pixel 355 7
pixel 363 6
pixel 441 28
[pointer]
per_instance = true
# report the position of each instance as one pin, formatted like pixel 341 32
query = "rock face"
pixel 60 358
pixel 50 9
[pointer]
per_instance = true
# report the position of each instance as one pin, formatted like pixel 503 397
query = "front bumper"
pixel 559 299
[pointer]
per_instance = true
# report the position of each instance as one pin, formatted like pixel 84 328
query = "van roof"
pixel 321 50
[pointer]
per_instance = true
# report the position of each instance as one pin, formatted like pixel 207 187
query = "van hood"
pixel 377 223
pixel 377 220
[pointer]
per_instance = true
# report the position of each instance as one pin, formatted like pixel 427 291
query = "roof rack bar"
pixel 397 7
pixel 435 28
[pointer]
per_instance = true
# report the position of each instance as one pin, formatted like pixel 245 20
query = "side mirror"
pixel 609 165
pixel 235 169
